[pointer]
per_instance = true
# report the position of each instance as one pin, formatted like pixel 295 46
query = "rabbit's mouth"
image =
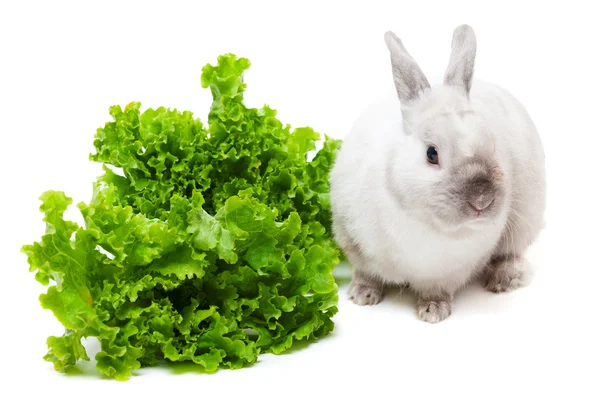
pixel 462 221
pixel 479 211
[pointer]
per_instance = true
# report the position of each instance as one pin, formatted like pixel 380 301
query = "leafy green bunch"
pixel 204 243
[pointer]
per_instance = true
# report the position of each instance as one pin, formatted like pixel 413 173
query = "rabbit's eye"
pixel 432 155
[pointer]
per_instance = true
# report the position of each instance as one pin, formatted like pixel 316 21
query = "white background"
pixel 318 63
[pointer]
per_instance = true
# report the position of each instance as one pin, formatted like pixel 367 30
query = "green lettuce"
pixel 204 243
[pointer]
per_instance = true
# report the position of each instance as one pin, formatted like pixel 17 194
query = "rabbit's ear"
pixel 462 58
pixel 409 79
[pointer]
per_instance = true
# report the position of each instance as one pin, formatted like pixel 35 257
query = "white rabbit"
pixel 438 185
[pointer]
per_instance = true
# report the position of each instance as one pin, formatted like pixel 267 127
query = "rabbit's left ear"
pixel 459 72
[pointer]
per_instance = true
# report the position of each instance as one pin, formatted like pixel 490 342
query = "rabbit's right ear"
pixel 409 79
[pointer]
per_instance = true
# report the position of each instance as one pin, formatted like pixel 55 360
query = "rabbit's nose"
pixel 481 202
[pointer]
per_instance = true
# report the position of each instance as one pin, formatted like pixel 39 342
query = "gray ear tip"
pixel 464 32
pixel 391 40
pixel 389 35
pixel 464 28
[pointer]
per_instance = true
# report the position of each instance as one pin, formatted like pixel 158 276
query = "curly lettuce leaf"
pixel 212 244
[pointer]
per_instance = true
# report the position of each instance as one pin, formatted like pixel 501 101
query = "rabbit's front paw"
pixel 364 294
pixel 434 309
pixel 506 273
